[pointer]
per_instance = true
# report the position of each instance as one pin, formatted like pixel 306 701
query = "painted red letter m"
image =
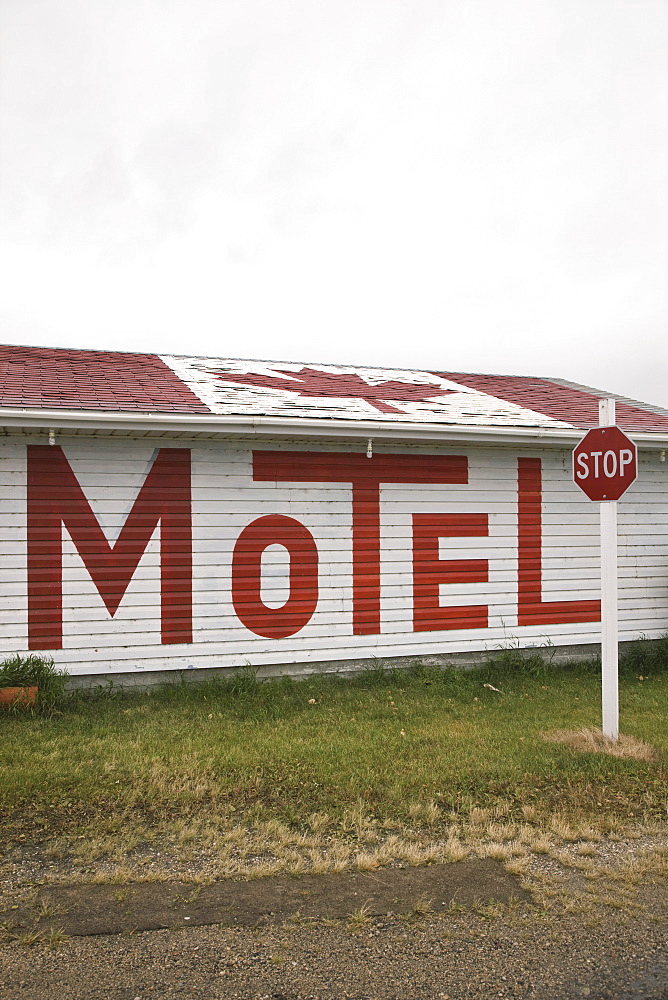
pixel 55 499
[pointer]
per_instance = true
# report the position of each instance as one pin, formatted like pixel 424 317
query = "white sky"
pixel 465 185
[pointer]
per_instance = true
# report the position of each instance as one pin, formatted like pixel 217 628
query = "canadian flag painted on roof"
pixel 342 392
pixel 49 378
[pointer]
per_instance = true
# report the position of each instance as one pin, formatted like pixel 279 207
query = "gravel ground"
pixel 523 955
pixel 583 935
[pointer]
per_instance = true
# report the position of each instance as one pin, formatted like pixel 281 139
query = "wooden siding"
pixel 226 499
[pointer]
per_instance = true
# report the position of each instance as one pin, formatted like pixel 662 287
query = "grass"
pixel 330 765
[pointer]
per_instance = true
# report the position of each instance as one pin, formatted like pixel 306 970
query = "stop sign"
pixel 605 463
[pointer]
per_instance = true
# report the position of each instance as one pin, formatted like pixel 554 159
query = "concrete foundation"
pixel 141 680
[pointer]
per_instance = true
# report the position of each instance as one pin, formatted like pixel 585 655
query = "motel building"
pixel 165 513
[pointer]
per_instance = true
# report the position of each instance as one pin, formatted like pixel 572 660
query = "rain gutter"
pixel 213 425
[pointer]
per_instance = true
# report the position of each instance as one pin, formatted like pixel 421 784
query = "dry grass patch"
pixel 366 862
pixel 319 822
pixel 114 875
pixel 517 849
pixel 589 833
pixel 478 816
pixel 422 907
pixel 562 829
pixel 340 856
pixel 496 851
pixel 643 867
pixel 428 813
pixel 359 919
pixel 594 741
pixel 501 831
pixel 518 866
pixel 541 845
pixel 414 854
pixel 502 808
pixel 490 910
pixel 572 860
pixel 263 869
pixel 454 850
pixel 196 849
pixel 318 862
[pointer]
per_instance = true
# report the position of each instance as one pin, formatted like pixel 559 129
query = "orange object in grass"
pixel 18 695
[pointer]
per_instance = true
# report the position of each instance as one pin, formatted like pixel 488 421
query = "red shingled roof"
pixel 557 400
pixel 47 378
pixel 41 377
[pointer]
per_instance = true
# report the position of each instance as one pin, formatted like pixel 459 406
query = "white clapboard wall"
pixel 226 499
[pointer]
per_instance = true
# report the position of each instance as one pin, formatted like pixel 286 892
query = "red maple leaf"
pixel 310 382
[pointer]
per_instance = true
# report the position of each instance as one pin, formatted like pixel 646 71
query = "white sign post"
pixel 605 464
pixel 609 608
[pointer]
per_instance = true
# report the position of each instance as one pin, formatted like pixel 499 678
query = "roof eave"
pixel 215 425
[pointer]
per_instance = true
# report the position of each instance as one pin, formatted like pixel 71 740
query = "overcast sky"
pixel 465 185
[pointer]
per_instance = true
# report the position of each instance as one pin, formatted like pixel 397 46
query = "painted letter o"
pixel 606 464
pixel 275 623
